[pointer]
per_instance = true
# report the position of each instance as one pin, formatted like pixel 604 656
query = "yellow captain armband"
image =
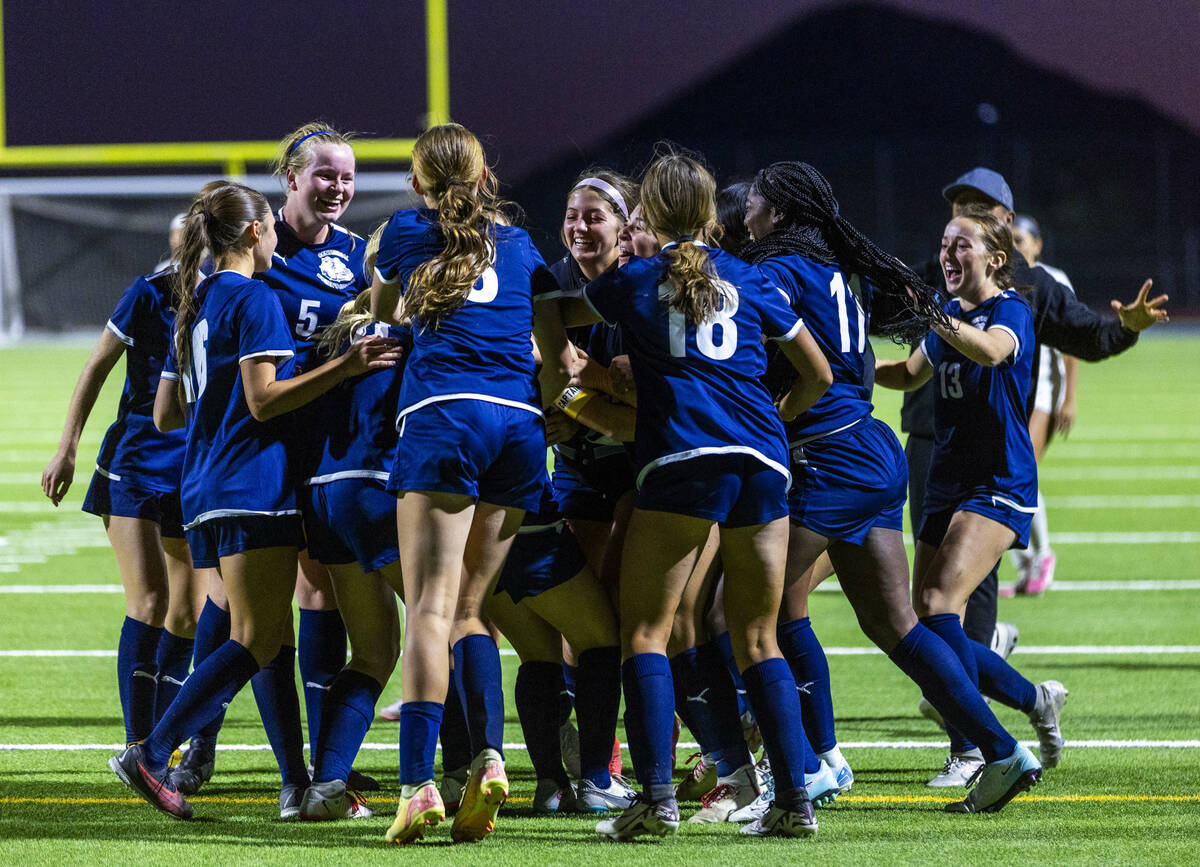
pixel 573 400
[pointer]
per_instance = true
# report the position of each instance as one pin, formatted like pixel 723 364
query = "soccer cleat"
pixel 1004 638
pixel 751 733
pixel 325 802
pixel 391 711
pixel 777 822
pixel 999 783
pixel 701 779
pixel 156 788
pixel 194 769
pixel 568 745
pixel 451 787
pixel 590 798
pixel 738 790
pixel 823 786
pixel 1042 576
pixel 642 819
pixel 176 758
pixel 614 763
pixel 930 713
pixel 1052 695
pixel 550 797
pixel 485 793
pixel 841 771
pixel 413 815
pixel 960 769
pixel 290 797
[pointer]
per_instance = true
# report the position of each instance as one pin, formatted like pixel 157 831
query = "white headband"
pixel 607 188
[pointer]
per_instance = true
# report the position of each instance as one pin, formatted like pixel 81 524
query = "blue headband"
pixel 310 135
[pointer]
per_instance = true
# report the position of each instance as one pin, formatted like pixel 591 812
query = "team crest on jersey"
pixel 979 321
pixel 334 272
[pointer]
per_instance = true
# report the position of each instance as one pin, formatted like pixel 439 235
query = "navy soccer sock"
pixel 804 654
pixel 567 698
pixel 174 657
pixel 649 721
pixel 275 693
pixel 204 695
pixel 536 696
pixel 349 709
pixel 723 641
pixel 212 630
pixel 948 627
pixel 321 642
pixel 597 702
pixel 479 680
pixel 935 668
pixel 776 705
pixel 137 676
pixel 702 681
pixel 419 724
pixel 453 732
pixel 1001 681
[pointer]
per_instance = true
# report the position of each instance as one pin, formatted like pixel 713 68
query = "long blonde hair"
pixel 215 222
pixel 678 197
pixel 450 165
pixel 357 311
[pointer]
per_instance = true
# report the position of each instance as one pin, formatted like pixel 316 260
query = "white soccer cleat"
pixel 568 745
pixel 732 793
pixel 700 780
pixel 1004 638
pixel 327 802
pixel 590 798
pixel 643 819
pixel 960 769
pixel 1000 782
pixel 550 797
pixel 784 823
pixel 1052 695
pixel 392 711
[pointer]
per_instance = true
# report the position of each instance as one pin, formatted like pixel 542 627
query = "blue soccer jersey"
pixel 234 465
pixel 483 350
pixel 134 450
pixel 361 440
pixel 981 431
pixel 836 308
pixel 699 386
pixel 313 281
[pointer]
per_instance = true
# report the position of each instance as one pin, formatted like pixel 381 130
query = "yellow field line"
pixel 851 799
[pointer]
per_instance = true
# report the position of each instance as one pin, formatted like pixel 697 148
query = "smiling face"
pixel 590 230
pixel 967 264
pixel 323 189
pixel 636 239
pixel 760 217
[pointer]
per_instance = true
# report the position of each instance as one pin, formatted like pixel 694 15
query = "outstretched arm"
pixel 907 375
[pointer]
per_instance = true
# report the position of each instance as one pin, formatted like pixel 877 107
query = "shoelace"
pixel 974 778
pixel 721 791
pixel 699 769
pixel 356 799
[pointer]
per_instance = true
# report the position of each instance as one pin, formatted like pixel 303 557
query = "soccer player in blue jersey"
pixel 233 351
pixel 135 490
pixel 470 461
pixel 982 488
pixel 710 449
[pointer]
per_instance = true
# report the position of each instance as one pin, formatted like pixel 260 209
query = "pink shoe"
pixel 1041 582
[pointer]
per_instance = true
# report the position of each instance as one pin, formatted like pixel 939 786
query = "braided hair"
pixel 813 227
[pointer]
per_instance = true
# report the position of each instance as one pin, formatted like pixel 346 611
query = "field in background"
pixel 1121 628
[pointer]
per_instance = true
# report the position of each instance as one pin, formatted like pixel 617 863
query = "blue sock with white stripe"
pixel 419 724
pixel 776 706
pixel 204 695
pixel 346 718
pixel 597 701
pixel 212 630
pixel 934 667
pixel 174 657
pixel 650 721
pixel 999 680
pixel 321 641
pixel 703 684
pixel 803 652
pixel 137 676
pixel 278 705
pixel 479 679
pixel 723 641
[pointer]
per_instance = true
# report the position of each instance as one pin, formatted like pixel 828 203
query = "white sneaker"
pixel 823 786
pixel 590 798
pixel 999 783
pixel 701 779
pixel 568 744
pixel 784 823
pixel 451 788
pixel 325 802
pixel 739 789
pixel 1004 639
pixel 641 820
pixel 550 797
pixel 960 769
pixel 840 767
pixel 392 711
pixel 1052 695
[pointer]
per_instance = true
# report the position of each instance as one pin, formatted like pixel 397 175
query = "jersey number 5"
pixel 306 325
pixel 705 342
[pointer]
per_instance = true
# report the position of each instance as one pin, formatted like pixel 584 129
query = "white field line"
pixel 1075 451
pixel 1127 472
pixel 683 745
pixel 831 585
pixel 1134 501
pixel 1125 433
pixel 1049 649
